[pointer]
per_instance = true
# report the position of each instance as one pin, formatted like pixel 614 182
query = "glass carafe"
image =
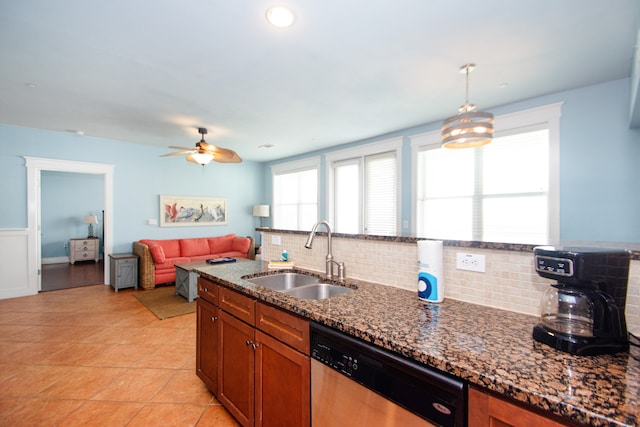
pixel 567 310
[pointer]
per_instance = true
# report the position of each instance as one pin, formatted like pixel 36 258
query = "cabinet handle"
pixel 251 343
pixel 214 318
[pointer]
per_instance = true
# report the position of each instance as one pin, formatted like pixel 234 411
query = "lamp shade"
pixel 90 219
pixel 261 210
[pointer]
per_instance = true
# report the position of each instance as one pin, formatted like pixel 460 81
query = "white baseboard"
pixel 56 260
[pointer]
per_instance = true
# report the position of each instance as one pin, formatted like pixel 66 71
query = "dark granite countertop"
pixel 487 347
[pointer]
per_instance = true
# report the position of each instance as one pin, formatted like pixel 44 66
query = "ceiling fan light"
pixel 280 17
pixel 202 158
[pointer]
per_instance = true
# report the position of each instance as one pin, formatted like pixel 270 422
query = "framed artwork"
pixel 184 211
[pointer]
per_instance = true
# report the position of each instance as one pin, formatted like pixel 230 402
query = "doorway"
pixel 34 168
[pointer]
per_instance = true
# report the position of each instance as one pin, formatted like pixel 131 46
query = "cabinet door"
pixel 489 411
pixel 283 386
pixel 127 273
pixel 207 344
pixel 236 368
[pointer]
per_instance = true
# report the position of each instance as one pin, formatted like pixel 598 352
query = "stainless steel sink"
pixel 299 285
pixel 284 281
pixel 318 291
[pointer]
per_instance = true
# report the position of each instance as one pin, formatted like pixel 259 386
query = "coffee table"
pixel 187 279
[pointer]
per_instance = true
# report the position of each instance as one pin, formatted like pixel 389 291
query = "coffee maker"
pixel 583 313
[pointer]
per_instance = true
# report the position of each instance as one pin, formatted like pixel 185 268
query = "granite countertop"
pixel 488 347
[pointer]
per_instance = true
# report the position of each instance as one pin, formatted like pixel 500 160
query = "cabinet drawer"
pixel 285 327
pixel 86 254
pixel 242 307
pixel 208 290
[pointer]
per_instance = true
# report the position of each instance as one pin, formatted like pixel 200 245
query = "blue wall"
pixel 140 177
pixel 65 199
pixel 599 163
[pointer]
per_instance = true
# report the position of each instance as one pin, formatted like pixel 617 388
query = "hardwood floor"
pixel 90 356
pixel 66 275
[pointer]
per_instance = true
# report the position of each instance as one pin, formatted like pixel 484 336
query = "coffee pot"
pixel 583 313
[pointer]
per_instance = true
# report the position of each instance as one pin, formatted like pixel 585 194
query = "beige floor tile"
pixel 29 380
pixel 184 387
pixel 38 412
pixel 81 383
pixel 136 385
pixel 102 413
pixel 167 356
pixel 217 416
pixel 168 414
pixel 121 355
pixel 75 354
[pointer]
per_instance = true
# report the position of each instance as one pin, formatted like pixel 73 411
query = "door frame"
pixel 35 165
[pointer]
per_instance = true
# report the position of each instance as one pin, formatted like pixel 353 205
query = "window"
pixel 295 194
pixel 363 188
pixel 503 192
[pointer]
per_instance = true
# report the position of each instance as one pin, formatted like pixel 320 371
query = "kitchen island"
pixel 489 348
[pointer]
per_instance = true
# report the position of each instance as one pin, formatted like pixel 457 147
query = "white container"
pixel 430 270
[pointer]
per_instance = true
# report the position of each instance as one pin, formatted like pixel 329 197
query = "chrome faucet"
pixel 329 259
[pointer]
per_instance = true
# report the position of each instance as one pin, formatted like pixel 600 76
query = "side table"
pixel 123 270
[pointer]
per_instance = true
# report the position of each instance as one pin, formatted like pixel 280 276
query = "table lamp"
pixel 261 211
pixel 90 219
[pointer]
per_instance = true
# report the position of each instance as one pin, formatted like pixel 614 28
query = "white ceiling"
pixel 152 72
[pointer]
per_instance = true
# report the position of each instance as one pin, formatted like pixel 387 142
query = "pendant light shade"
pixel 468 128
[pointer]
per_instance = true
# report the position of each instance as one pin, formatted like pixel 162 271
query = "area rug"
pixel 164 303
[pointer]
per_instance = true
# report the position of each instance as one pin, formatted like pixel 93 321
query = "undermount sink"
pixel 299 285
pixel 318 291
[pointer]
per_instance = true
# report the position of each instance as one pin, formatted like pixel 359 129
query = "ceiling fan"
pixel 204 152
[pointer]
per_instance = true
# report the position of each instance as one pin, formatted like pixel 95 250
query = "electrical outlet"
pixel 470 262
pixel 275 240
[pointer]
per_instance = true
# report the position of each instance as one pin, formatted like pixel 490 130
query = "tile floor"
pixel 90 356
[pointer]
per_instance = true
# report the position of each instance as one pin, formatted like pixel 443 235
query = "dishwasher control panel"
pixel 337 358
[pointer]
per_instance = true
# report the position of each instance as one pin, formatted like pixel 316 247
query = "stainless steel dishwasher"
pixel 356 383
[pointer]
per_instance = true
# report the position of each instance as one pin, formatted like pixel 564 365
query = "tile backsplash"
pixel 510 281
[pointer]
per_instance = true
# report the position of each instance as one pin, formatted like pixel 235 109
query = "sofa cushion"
pixel 157 253
pixel 241 244
pixel 194 247
pixel 220 244
pixel 171 247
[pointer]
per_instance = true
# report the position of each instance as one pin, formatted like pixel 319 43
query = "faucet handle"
pixel 341 271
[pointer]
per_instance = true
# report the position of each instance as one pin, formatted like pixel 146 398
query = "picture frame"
pixel 189 211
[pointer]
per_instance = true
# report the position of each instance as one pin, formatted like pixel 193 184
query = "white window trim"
pixel 547 115
pixel 361 151
pixel 296 166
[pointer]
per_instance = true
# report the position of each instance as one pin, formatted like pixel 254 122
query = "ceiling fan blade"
pixel 230 156
pixel 180 148
pixel 179 153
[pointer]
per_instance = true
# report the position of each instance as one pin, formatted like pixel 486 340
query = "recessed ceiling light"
pixel 280 17
pixel 266 146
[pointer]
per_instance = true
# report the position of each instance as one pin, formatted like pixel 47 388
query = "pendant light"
pixel 469 128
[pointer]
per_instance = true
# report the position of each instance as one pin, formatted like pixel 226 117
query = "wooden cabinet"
pixel 237 373
pixel 84 250
pixel 262 358
pixel 207 344
pixel 486 410
pixel 283 384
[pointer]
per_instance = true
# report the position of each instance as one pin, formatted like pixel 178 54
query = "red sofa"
pixel 157 258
